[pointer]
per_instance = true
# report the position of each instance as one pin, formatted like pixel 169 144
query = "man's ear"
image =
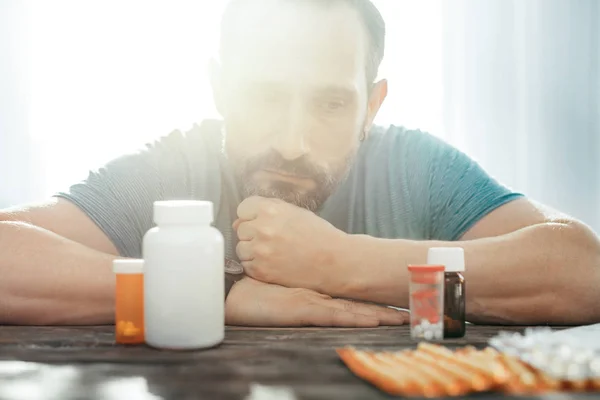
pixel 376 99
pixel 214 70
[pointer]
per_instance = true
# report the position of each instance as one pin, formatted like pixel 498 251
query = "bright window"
pixel 110 76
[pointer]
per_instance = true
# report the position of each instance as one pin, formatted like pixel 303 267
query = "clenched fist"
pixel 287 245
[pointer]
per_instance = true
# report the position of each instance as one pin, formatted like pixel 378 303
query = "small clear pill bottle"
pixel 184 277
pixel 129 301
pixel 453 260
pixel 426 301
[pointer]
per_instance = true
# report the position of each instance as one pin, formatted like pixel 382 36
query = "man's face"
pixel 293 94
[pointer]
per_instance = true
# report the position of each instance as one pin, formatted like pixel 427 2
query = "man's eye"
pixel 333 105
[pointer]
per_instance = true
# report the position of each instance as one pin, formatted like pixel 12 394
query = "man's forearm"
pixel 547 273
pixel 47 279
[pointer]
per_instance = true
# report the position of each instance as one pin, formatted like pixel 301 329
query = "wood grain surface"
pixel 85 363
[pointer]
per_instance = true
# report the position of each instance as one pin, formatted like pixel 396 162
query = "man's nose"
pixel 291 141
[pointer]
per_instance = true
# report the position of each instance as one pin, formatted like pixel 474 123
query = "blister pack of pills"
pixel 572 354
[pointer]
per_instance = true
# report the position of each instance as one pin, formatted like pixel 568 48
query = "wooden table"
pixel 84 363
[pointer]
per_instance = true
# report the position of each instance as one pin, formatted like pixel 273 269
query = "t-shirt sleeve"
pixel 457 191
pixel 119 196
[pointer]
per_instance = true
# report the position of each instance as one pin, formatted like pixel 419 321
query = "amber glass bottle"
pixel 454 305
pixel 453 260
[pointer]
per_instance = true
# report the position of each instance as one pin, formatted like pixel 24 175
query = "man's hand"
pixel 254 303
pixel 287 245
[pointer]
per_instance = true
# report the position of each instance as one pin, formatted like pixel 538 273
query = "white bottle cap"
pixel 452 258
pixel 128 266
pixel 183 212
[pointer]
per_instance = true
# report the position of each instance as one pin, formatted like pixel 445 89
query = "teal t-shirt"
pixel 404 184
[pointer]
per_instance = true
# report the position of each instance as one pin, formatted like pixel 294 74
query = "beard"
pixel 326 179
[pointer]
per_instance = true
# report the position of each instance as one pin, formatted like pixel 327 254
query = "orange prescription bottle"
pixel 129 301
pixel 426 301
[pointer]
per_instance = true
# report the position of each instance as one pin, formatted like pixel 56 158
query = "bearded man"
pixel 322 208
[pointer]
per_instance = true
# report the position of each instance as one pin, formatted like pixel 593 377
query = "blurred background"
pixel 513 83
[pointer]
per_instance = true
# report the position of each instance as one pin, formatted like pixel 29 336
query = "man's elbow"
pixel 578 288
pixel 8 216
pixel 583 249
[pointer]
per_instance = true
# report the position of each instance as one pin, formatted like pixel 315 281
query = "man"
pixel 316 203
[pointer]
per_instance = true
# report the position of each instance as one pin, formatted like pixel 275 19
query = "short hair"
pixel 368 12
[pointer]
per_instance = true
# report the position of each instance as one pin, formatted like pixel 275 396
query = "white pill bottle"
pixel 183 277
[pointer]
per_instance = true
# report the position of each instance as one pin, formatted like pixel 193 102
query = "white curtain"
pixel 19 156
pixel 514 83
pixel 522 95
